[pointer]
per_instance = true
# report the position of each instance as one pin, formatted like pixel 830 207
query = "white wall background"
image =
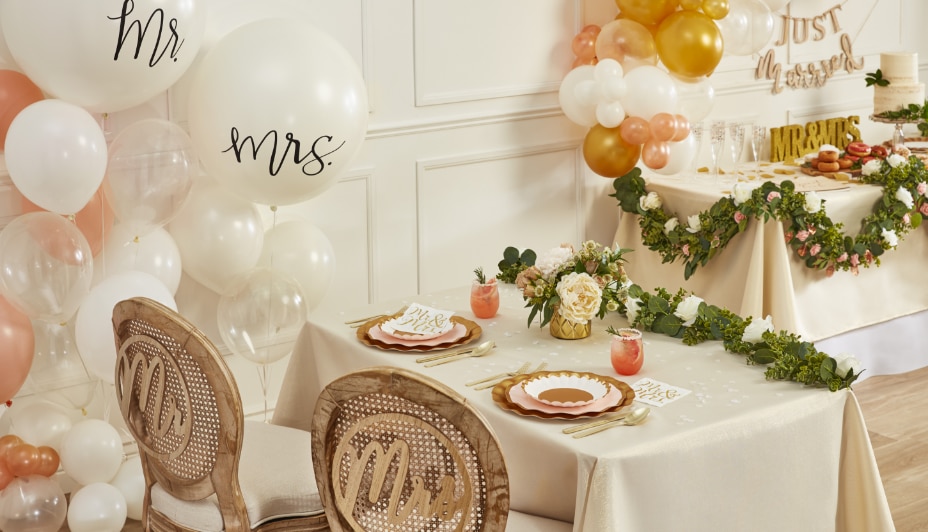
pixel 467 150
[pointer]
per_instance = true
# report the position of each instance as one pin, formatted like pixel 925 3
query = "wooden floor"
pixel 895 408
pixel 896 411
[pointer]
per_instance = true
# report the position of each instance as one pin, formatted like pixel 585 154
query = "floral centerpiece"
pixel 576 284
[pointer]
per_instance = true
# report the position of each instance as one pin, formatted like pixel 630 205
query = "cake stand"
pixel 898 134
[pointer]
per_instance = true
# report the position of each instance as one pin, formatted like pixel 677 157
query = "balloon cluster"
pixel 639 81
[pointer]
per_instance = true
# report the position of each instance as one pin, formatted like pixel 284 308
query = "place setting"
pixel 418 328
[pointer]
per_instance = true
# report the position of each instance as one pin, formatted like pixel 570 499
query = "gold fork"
pixel 500 376
pixel 540 367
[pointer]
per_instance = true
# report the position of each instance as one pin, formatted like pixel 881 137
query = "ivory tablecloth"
pixel 758 275
pixel 738 453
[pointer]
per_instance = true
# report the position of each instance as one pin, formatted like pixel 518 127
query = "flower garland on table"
pixel 679 315
pixel 814 237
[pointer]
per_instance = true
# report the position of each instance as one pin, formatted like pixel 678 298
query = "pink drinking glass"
pixel 627 351
pixel 484 299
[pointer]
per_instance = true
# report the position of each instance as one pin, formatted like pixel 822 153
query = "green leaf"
pixel 511 255
pixel 528 257
pixel 827 371
pixel 659 305
pixel 667 324
pixel 764 355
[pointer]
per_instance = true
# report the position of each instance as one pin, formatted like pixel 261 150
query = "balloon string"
pixel 263 374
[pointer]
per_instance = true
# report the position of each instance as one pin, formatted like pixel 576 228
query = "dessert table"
pixel 735 453
pixel 758 275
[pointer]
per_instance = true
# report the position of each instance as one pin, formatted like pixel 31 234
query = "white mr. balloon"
pixel 277 110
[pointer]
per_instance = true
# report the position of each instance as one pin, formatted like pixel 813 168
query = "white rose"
pixel 903 195
pixel 890 237
pixel 688 309
pixel 581 297
pixel 846 363
pixel 632 305
pixel 872 167
pixel 553 260
pixel 741 192
pixel 651 201
pixel 754 332
pixel 895 160
pixel 694 224
pixel 813 202
pixel 670 225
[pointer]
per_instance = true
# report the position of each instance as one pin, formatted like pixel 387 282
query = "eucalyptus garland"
pixel 818 241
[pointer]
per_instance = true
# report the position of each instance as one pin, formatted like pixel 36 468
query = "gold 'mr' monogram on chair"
pixel 166 415
pixel 443 505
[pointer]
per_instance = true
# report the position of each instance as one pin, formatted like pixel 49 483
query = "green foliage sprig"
pixel 914 113
pixel 480 276
pixel 876 78
pixel 818 241
pixel 513 263
pixel 786 356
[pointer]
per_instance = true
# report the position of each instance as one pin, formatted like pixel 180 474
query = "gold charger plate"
pixel 473 332
pixel 501 397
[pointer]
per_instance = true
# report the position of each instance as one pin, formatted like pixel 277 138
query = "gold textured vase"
pixel 565 329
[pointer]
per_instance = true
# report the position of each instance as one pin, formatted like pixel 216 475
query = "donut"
pixel 858 148
pixel 828 166
pixel 827 156
pixel 879 151
pixel 845 163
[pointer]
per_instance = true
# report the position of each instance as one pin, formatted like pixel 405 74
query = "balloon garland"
pixel 813 236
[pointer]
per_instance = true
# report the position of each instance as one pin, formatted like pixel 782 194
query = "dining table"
pixel 726 450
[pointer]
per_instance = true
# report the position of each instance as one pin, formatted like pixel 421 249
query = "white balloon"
pixel 610 114
pixel 100 56
pixel 273 132
pixel 97 507
pixel 219 236
pixel 41 424
pixel 91 452
pixel 155 253
pixel 681 156
pixel 776 5
pixel 695 98
pixel 608 69
pixel 302 251
pixel 56 154
pixel 130 480
pixel 93 328
pixel 578 108
pixel 650 91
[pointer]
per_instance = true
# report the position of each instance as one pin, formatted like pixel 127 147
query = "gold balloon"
pixel 715 9
pixel 689 44
pixel 647 12
pixel 607 154
pixel 691 5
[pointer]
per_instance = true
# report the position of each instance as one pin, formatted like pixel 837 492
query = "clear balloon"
pixel 93 327
pixel 628 42
pixel 91 451
pixel 681 156
pixel 715 9
pixel 46 266
pixel 272 133
pixel 130 480
pixel 16 93
pixel 18 341
pixel 34 504
pixel 696 97
pixel 650 91
pixel 58 370
pixel 266 307
pixel 776 5
pixel 101 57
pixel 219 236
pixel 152 165
pixel 689 44
pixel 635 130
pixel 155 253
pixel 577 109
pixel 647 11
pixel 747 28
pixel 94 220
pixel 303 252
pixel 655 154
pixel 42 424
pixel 607 154
pixel 97 507
pixel 56 154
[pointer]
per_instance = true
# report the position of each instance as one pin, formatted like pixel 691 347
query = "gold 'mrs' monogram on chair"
pixel 167 414
pixel 442 504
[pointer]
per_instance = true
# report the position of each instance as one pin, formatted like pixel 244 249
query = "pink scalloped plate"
pixel 456 333
pixel 612 398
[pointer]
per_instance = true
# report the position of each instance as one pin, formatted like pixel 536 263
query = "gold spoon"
pixel 453 353
pixel 634 418
pixel 481 350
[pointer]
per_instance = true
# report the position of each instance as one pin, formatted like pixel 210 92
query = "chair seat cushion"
pixel 520 522
pixel 276 477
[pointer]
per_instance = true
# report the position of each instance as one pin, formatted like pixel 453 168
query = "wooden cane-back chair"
pixel 394 450
pixel 205 467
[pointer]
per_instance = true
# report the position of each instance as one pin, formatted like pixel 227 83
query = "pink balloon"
pixel 655 154
pixel 635 130
pixel 663 126
pixel 18 341
pixel 681 128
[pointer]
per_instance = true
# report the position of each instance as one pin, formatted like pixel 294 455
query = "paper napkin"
pixel 421 321
pixel 657 393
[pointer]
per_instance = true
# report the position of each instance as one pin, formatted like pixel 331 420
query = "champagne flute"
pixel 758 137
pixel 736 132
pixel 717 140
pixel 696 131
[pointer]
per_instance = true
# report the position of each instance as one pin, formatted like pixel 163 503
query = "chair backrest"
pixel 181 404
pixel 395 450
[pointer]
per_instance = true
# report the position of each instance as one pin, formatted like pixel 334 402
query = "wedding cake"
pixel 901 70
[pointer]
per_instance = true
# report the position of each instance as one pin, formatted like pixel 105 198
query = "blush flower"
pixel 739 217
pixel 772 196
pixel 802 236
pixel 855 260
pixel 922 188
pixel 923 209
pixel 580 296
pixel 815 249
pixel 842 257
pixel 685 250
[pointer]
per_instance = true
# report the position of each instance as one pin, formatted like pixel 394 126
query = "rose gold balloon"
pixel 663 126
pixel 655 154
pixel 689 44
pixel 635 130
pixel 23 459
pixel 628 42
pixel 681 128
pixel 5 476
pixel 584 45
pixel 580 62
pixel 48 461
pixel 17 339
pixel 16 92
pixel 715 9
pixel 607 154
pixel 94 221
pixel 647 11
